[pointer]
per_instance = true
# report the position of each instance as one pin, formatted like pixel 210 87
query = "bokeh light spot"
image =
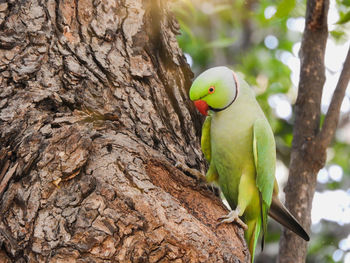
pixel 271 42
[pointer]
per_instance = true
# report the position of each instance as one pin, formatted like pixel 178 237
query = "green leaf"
pixel 344 18
pixel 337 34
pixel 284 8
pixel 222 42
pixel 346 2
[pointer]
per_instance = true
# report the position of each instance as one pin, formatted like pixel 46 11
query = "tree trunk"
pixel 310 142
pixel 306 157
pixel 94 115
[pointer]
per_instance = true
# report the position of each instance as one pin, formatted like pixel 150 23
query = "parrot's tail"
pixel 252 235
pixel 280 213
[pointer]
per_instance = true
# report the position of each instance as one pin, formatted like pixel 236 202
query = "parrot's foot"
pixel 199 177
pixel 191 172
pixel 233 217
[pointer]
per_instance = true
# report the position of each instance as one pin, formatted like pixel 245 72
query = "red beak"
pixel 202 106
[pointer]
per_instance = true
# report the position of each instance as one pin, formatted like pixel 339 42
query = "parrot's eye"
pixel 211 90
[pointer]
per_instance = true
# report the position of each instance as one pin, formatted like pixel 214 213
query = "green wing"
pixel 205 140
pixel 212 174
pixel 265 162
pixel 265 159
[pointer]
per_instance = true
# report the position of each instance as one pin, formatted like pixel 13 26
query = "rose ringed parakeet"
pixel 239 145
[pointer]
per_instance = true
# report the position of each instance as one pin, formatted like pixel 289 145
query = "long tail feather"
pixel 252 236
pixel 280 213
pixel 263 215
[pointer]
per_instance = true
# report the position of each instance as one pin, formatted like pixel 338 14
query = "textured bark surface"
pixel 94 116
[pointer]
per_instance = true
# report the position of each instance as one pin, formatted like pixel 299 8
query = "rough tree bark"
pixel 94 116
pixel 310 142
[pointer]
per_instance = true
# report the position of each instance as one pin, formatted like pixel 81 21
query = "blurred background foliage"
pixel 261 41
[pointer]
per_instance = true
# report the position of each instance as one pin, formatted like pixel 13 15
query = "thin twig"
pixel 332 117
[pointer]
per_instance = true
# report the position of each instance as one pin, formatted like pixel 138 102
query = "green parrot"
pixel 239 144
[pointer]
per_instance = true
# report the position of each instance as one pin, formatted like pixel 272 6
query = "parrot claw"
pixel 191 172
pixel 232 217
pixel 199 177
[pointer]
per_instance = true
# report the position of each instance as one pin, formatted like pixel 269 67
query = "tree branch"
pixel 332 117
pixel 306 157
pixel 317 19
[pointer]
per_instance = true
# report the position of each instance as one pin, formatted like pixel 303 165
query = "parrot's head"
pixel 214 89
